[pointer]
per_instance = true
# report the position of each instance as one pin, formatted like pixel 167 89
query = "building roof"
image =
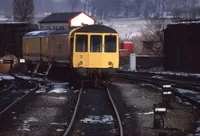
pixel 96 29
pixel 59 17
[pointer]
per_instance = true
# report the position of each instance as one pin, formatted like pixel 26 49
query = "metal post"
pixel 133 62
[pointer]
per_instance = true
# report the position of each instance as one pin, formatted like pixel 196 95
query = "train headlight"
pixel 22 60
pixel 110 63
pixel 80 63
pixel 1 61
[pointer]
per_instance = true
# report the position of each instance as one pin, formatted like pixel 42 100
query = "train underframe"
pixel 75 75
pixel 95 75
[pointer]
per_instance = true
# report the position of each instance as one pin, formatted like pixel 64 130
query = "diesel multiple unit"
pixel 89 50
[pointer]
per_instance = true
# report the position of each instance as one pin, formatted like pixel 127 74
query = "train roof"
pixel 96 29
pixel 45 33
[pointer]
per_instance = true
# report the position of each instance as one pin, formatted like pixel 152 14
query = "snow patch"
pixel 146 113
pixel 31 119
pixel 58 90
pixel 26 126
pixel 198 130
pixel 105 119
pixel 158 77
pixel 58 98
pixel 61 124
pixel 59 130
pixel 8 77
pixel 41 90
pixel 186 91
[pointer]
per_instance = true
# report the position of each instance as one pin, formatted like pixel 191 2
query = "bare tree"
pixel 73 4
pixel 153 33
pixel 23 10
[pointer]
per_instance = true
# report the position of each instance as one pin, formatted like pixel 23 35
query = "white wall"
pixel 82 19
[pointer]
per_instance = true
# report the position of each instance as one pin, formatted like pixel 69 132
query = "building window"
pixel 55 27
pixel 48 27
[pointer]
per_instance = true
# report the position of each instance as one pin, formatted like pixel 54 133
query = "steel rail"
pixel 116 112
pixel 20 99
pixel 155 82
pixel 9 88
pixel 187 85
pixel 167 80
pixel 74 114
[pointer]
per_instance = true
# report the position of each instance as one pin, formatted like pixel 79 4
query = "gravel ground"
pixel 47 114
pixel 135 103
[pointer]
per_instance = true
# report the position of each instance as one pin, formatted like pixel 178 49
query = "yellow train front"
pixel 95 51
pixel 88 51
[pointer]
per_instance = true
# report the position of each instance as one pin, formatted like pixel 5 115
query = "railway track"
pixel 15 94
pixel 176 85
pixel 95 114
pixel 187 78
pixel 6 86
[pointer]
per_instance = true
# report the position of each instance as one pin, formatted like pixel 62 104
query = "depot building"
pixel 66 20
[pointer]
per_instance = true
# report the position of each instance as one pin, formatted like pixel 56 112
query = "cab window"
pixel 81 43
pixel 96 43
pixel 110 43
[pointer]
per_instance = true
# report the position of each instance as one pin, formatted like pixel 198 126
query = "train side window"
pixel 81 43
pixel 96 43
pixel 110 43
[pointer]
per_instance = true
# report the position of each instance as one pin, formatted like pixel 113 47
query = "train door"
pixel 96 49
pixel 60 51
pixel 80 51
pixel 111 51
pixel 71 48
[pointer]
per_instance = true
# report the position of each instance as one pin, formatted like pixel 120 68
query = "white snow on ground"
pixel 60 130
pixel 125 27
pixel 58 90
pixel 146 113
pixel 57 98
pixel 8 77
pixel 58 87
pixel 28 77
pixel 26 124
pixel 105 119
pixel 174 73
pixel 187 91
pixel 158 77
pixel 60 124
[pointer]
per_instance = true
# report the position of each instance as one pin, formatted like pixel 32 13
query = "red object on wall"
pixel 128 45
